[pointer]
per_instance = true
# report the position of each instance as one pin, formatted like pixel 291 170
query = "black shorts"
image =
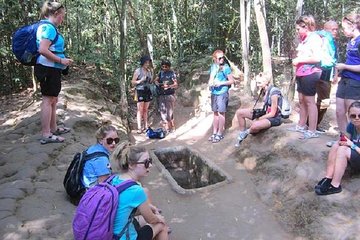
pixel 50 80
pixel 307 84
pixel 354 160
pixel 348 89
pixel 326 74
pixel 144 233
pixel 274 121
pixel 144 95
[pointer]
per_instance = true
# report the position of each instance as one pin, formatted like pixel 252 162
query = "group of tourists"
pixel 135 162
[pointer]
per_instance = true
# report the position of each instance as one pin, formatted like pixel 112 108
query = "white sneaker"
pixel 241 137
pixel 330 143
pixel 298 128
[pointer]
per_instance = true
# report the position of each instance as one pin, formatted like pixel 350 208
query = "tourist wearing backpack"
pixel 96 170
pixel 264 118
pixel 348 89
pixel 167 82
pixel 135 163
pixel 328 75
pixel 49 65
pixel 219 83
pixel 308 71
pixel 141 79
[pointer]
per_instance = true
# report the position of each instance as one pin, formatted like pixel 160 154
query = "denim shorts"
pixel 348 89
pixel 275 121
pixel 220 102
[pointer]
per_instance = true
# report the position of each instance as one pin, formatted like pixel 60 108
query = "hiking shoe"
pixel 323 183
pixel 320 130
pixel 211 138
pixel 309 134
pixel 217 138
pixel 330 143
pixel 241 137
pixel 329 190
pixel 298 128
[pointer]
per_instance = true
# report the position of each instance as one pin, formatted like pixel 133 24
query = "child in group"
pixel 135 163
pixel 96 170
pixel 167 82
pixel 269 116
pixel 345 151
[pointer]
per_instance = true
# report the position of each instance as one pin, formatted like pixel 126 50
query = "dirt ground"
pixel 269 194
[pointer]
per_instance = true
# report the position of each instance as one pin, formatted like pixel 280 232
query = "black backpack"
pixel 72 181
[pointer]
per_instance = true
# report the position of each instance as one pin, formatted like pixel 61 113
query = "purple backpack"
pixel 95 215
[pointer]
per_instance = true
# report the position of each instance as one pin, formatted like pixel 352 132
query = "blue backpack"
pixel 24 44
pixel 158 133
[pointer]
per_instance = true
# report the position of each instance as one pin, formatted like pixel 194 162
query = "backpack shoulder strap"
pixel 94 155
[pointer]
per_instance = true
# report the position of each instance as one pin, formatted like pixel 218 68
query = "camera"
pixel 258 112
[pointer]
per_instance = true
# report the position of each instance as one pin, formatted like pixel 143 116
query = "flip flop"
pixel 61 130
pixel 52 139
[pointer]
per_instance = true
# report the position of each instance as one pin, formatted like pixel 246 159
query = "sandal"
pixel 211 138
pixel 61 130
pixel 309 134
pixel 52 139
pixel 217 138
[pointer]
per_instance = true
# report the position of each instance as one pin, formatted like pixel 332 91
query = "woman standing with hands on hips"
pixel 141 79
pixel 48 68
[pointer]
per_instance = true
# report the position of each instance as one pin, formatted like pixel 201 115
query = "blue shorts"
pixel 307 84
pixel 220 102
pixel 348 89
pixel 275 121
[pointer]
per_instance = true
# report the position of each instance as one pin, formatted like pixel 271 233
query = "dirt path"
pixel 270 194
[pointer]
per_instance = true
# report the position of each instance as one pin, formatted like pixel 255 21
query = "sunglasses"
pixel 219 58
pixel 353 116
pixel 111 140
pixel 146 163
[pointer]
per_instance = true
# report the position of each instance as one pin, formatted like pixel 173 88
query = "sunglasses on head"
pixel 146 162
pixel 353 116
pixel 111 140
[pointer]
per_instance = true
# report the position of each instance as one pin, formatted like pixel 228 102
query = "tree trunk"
pixel 122 65
pixel 264 40
pixel 291 91
pixel 245 46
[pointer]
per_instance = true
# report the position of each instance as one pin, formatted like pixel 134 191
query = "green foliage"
pixel 181 29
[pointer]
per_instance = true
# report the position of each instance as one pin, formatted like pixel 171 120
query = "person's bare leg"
pixel 330 165
pixel 342 155
pixel 138 114
pixel 341 114
pixel 45 117
pixel 312 112
pixel 145 114
pixel 53 124
pixel 221 124
pixel 216 123
pixel 303 114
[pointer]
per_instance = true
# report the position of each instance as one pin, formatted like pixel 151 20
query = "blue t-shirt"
pixel 354 135
pixel 220 75
pixel 48 31
pixel 167 77
pixel 129 199
pixel 96 167
pixel 352 58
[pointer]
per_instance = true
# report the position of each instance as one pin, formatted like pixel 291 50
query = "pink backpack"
pixel 95 214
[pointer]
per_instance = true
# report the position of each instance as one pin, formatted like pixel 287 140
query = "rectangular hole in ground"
pixel 188 169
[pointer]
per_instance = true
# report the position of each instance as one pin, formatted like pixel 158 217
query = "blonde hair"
pixel 353 18
pixel 125 155
pixel 308 21
pixel 104 130
pixel 50 8
pixel 216 52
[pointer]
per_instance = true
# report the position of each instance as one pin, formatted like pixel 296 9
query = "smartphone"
pixel 342 137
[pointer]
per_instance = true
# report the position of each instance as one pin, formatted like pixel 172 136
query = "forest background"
pixel 111 35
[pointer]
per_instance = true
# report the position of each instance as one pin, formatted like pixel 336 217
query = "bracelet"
pixel 353 146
